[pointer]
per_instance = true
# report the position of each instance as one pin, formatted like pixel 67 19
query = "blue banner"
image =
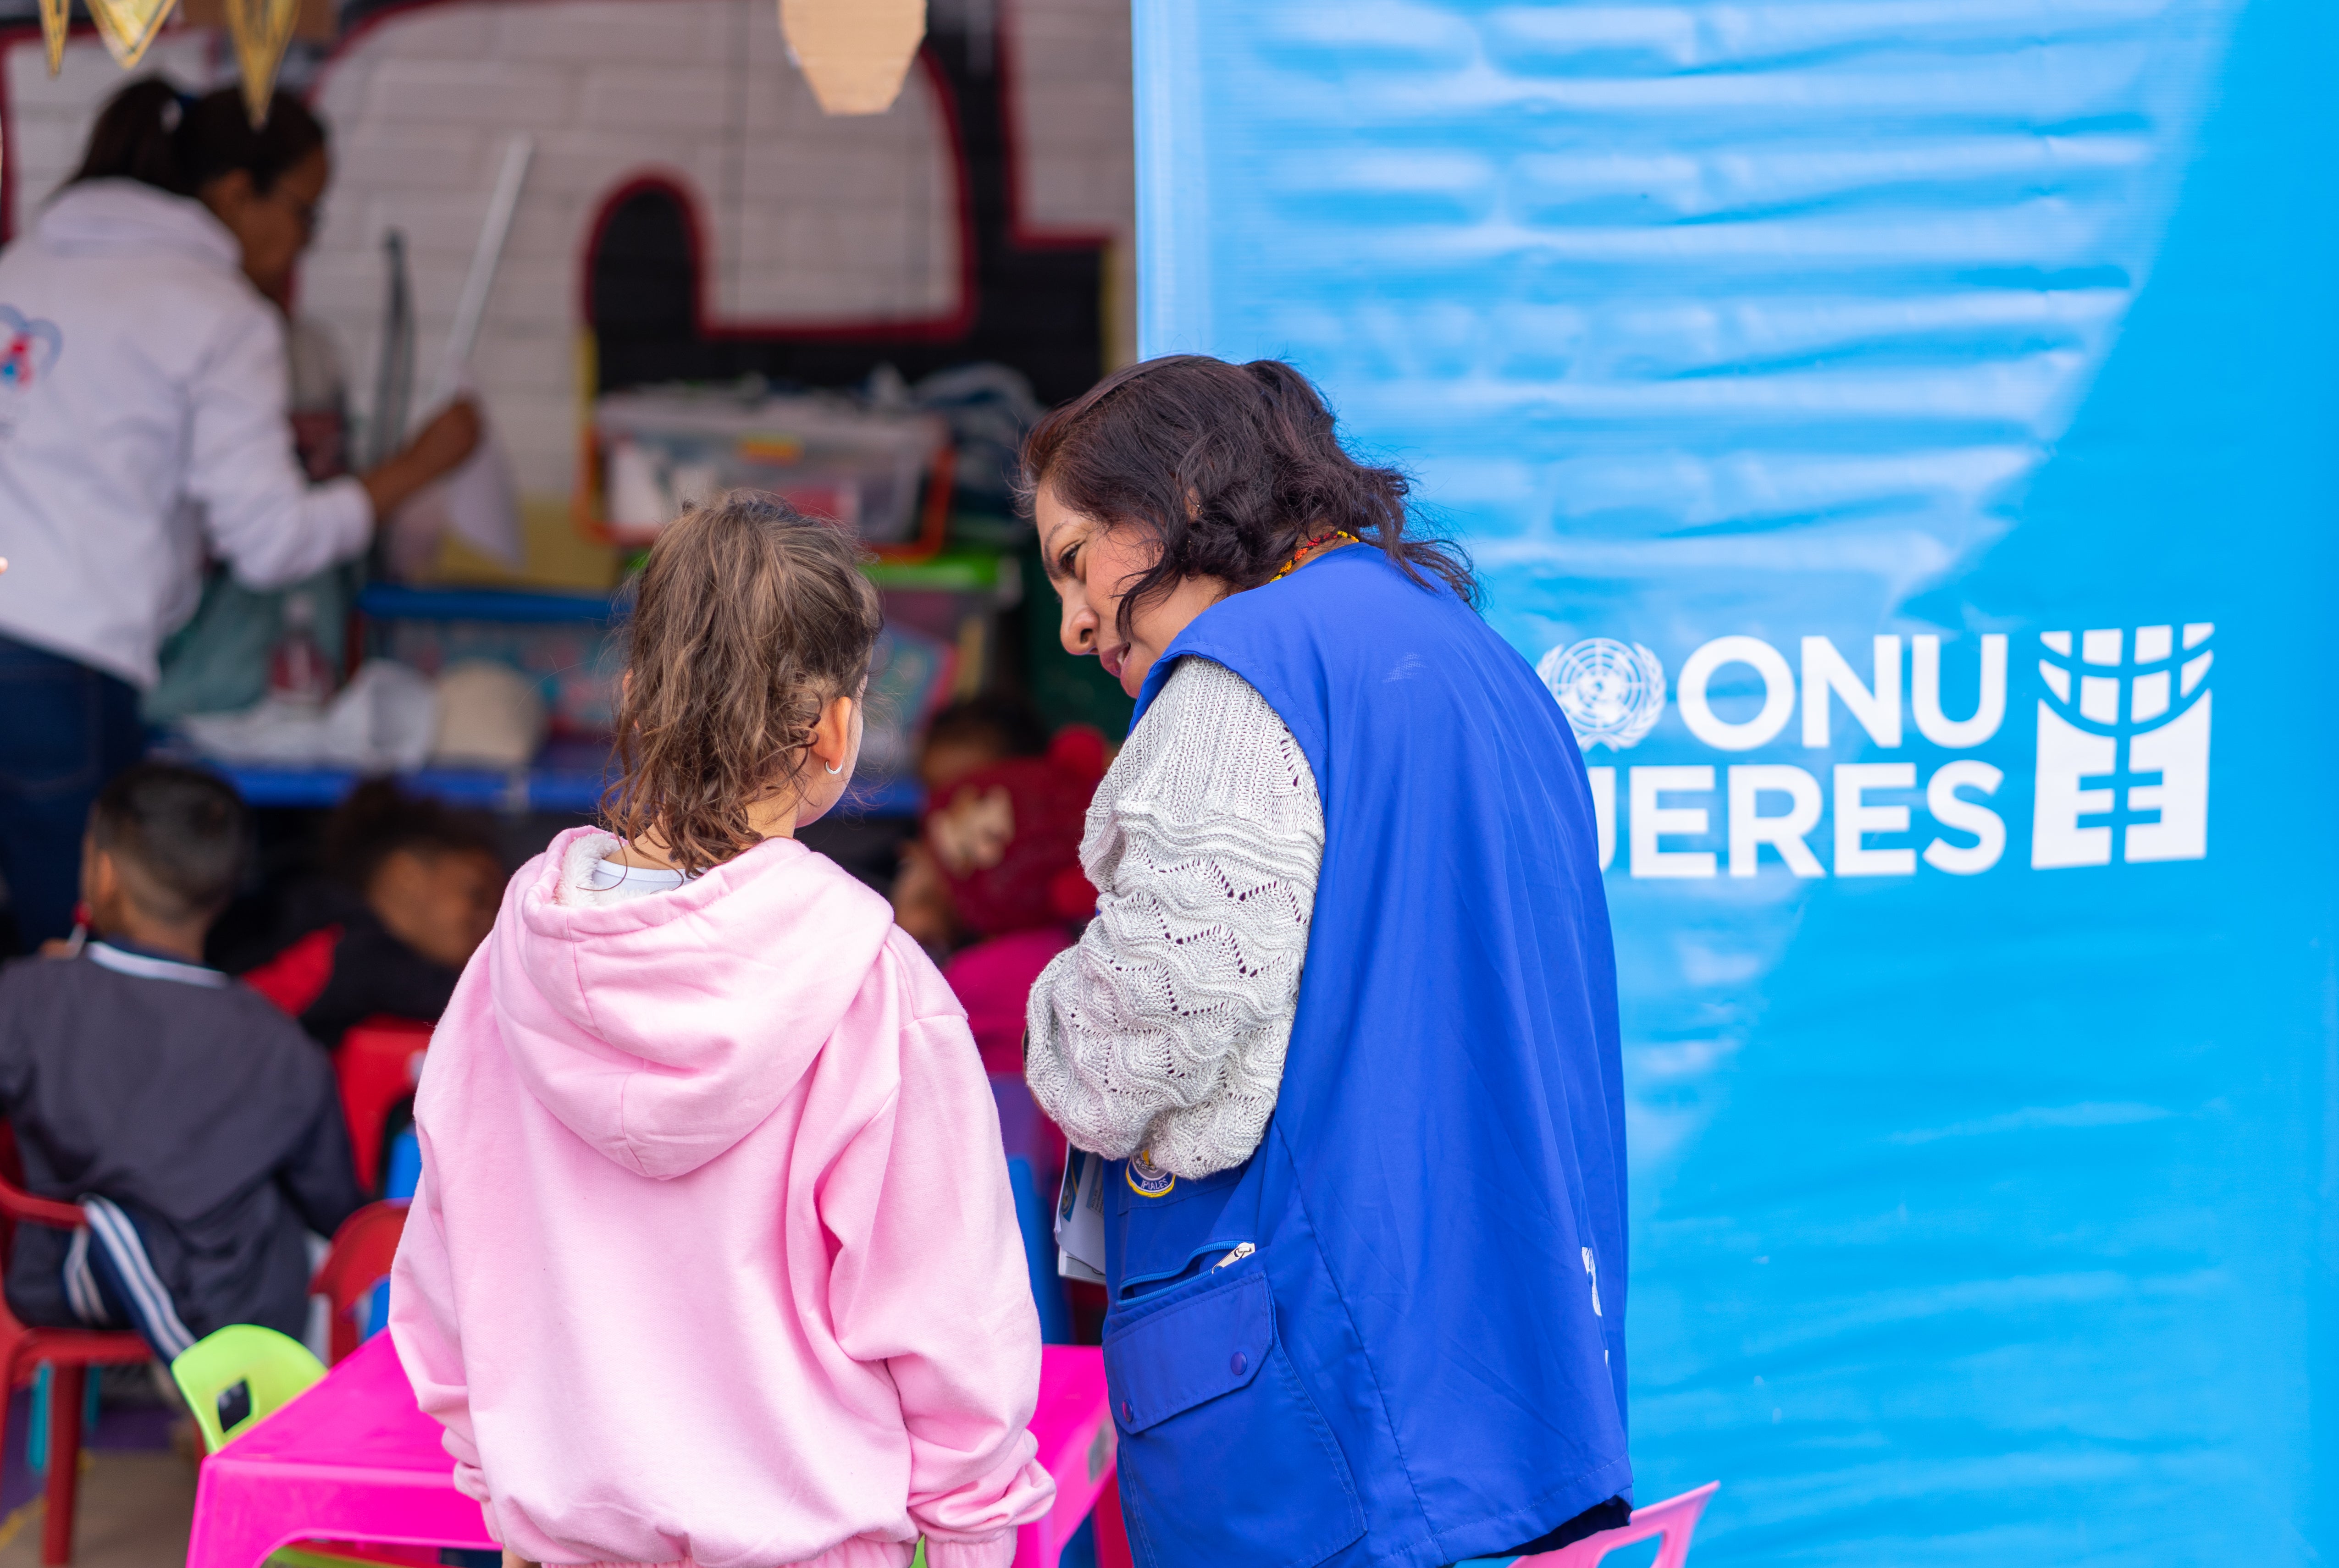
pixel 1902 434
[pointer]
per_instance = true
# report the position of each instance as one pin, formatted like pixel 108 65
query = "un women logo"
pixel 1612 693
pixel 2123 745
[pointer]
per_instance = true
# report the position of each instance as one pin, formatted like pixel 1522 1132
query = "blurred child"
pixel 970 734
pixel 1003 844
pixel 197 1127
pixel 714 1257
pixel 975 731
pixel 411 892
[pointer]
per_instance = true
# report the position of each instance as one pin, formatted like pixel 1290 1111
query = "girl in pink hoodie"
pixel 714 1259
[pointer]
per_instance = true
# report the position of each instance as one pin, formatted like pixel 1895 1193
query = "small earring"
pixel 838 769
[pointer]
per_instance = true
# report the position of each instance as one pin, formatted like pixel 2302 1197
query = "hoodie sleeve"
pixel 928 1278
pixel 262 515
pixel 422 1328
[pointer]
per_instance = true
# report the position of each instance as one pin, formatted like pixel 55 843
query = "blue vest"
pixel 1395 1335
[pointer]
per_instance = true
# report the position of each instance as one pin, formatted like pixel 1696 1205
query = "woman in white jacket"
pixel 142 427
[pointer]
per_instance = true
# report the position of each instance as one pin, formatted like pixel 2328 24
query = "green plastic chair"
pixel 274 1368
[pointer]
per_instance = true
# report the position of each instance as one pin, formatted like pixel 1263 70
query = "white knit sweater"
pixel 1163 1030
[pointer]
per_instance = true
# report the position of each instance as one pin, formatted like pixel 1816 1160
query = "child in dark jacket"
pixel 410 891
pixel 197 1126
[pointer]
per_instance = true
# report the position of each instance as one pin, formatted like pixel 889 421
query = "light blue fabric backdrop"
pixel 1986 1133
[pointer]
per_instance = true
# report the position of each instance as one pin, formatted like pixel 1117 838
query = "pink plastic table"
pixel 353 1459
pixel 1672 1522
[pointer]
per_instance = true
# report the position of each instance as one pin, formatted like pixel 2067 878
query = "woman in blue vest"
pixel 1346 1020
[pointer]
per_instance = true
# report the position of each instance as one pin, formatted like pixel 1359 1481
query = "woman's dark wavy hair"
pixel 1231 468
pixel 152 132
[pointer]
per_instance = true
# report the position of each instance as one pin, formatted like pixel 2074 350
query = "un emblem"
pixel 1612 693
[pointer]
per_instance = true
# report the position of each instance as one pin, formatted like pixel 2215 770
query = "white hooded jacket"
pixel 143 424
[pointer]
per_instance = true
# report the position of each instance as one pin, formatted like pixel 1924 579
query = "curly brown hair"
pixel 1229 467
pixel 748 619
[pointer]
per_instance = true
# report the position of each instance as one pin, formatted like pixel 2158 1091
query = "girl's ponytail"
pixel 140 135
pixel 152 132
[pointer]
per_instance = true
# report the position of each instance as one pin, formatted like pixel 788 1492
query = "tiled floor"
pixel 133 1514
pixel 137 1490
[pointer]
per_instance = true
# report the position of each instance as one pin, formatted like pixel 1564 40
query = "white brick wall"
pixel 1069 66
pixel 808 219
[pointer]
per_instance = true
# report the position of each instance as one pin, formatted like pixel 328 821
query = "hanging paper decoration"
pixel 55 17
pixel 854 52
pixel 128 26
pixel 260 28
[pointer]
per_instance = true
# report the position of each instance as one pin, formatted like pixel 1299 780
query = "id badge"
pixel 1080 1217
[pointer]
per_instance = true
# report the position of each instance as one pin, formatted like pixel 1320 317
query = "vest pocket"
pixel 1224 1457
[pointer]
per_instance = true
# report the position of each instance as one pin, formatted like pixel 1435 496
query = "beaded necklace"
pixel 1308 548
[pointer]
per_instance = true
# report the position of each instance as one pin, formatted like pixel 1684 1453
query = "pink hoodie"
pixel 714 1260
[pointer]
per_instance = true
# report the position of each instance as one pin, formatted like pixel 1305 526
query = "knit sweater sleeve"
pixel 1163 1029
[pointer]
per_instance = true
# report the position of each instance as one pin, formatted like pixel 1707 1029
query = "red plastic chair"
pixel 68 1352
pixel 362 1250
pixel 1674 1519
pixel 378 1064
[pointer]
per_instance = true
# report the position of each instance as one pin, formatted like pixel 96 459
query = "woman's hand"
pixel 437 449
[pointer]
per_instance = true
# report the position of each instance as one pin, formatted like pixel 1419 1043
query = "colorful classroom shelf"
pixel 558 791
pixel 954 571
pixel 537 789
pixel 397 602
pixel 569 778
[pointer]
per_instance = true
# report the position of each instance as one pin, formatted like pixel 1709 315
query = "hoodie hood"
pixel 128 218
pixel 665 1029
